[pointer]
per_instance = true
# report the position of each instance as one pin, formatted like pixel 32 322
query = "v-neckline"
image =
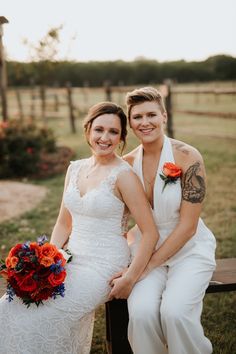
pixel 98 185
pixel 157 170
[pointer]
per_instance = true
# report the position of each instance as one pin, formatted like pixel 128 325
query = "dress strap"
pixel 74 171
pixel 111 179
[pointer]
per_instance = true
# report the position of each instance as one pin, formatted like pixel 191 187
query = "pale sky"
pixel 164 30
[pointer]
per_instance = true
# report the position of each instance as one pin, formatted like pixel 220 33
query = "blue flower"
pixel 42 239
pixel 60 290
pixel 26 246
pixel 10 292
pixel 57 268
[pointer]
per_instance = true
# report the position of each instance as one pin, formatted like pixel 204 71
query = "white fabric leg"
pixel 85 334
pixel 144 331
pixel 181 306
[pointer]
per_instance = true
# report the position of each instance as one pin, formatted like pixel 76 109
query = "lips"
pixel 146 130
pixel 103 146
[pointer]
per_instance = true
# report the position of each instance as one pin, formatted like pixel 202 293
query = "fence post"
pixel 71 108
pixel 43 103
pixel 3 73
pixel 32 105
pixel 168 101
pixel 19 102
pixel 108 90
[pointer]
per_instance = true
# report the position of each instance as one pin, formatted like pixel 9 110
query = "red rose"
pixel 30 150
pixel 15 250
pixel 59 257
pixel 42 294
pixel 28 283
pixel 56 279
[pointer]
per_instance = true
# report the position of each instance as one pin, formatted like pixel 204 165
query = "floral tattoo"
pixel 193 185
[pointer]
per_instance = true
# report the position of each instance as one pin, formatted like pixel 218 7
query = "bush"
pixel 21 146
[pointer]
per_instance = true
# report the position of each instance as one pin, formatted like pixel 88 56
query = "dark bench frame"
pixel 224 279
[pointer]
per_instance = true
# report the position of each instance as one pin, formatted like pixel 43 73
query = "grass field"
pixel 216 140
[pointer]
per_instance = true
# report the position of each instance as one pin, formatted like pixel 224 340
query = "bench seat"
pixel 223 279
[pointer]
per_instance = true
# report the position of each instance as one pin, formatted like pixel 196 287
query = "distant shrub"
pixel 21 146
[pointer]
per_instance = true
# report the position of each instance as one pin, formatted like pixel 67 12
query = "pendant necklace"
pixel 88 173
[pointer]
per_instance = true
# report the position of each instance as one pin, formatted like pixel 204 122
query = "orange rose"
pixel 11 262
pixel 48 250
pixel 171 170
pixel 170 173
pixel 46 261
pixel 34 246
pixel 4 273
pixel 56 279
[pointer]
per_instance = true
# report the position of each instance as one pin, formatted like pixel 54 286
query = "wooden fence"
pixel 41 103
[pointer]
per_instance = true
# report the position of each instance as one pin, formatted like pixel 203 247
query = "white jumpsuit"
pixel 165 307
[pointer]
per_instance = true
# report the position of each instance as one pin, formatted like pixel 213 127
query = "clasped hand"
pixel 121 285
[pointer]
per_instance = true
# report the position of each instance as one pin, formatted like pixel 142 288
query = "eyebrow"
pixel 102 127
pixel 140 114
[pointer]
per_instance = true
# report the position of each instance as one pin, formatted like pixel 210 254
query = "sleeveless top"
pixel 166 207
pixel 99 220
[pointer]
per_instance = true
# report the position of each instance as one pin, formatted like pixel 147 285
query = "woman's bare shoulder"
pixel 184 152
pixel 130 157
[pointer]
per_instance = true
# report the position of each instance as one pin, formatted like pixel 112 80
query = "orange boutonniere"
pixel 170 173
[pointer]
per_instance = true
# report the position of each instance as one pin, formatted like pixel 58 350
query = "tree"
pixel 43 55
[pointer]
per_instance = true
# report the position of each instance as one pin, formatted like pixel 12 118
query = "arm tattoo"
pixel 193 185
pixel 181 147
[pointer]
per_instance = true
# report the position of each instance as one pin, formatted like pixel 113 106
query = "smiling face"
pixel 105 133
pixel 147 121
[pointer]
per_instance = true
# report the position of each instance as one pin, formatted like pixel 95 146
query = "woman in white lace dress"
pixel 99 191
pixel 165 307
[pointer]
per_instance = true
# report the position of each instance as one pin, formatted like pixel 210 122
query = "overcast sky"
pixel 123 29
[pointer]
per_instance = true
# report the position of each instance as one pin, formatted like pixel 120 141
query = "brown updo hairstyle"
pixel 106 108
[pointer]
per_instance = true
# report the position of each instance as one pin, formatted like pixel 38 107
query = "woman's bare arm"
pixel 62 228
pixel 134 197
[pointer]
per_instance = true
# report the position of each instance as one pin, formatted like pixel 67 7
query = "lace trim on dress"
pixel 109 182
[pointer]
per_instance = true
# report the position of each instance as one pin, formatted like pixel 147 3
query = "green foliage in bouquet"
pixel 21 145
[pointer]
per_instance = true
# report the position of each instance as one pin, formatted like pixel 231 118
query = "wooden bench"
pixel 224 279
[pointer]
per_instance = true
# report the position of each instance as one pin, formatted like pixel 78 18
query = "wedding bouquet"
pixel 35 271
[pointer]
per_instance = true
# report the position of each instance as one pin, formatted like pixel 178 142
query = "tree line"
pixel 119 73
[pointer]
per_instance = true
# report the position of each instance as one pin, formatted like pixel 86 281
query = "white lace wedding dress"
pixel 64 325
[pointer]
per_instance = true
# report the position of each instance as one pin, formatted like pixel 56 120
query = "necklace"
pixel 88 173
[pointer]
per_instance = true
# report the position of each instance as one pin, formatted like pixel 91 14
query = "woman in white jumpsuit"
pixel 165 305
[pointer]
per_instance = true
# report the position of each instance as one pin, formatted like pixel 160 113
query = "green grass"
pixel 216 140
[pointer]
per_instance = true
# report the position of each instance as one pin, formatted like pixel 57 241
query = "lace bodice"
pixel 98 217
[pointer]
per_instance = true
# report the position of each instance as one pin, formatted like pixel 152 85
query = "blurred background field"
pixel 215 137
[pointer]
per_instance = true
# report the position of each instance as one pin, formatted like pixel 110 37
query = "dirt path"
pixel 16 198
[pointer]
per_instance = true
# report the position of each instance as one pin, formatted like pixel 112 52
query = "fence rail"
pixel 206 101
